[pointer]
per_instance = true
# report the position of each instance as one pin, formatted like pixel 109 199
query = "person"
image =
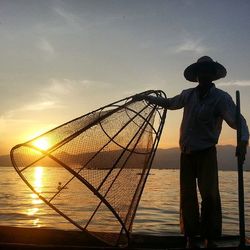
pixel 59 187
pixel 205 108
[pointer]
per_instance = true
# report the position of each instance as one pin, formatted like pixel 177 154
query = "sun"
pixel 42 143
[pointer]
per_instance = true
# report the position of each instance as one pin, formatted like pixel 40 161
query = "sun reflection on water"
pixel 36 222
pixel 32 211
pixel 35 199
pixel 38 179
pixel 38 184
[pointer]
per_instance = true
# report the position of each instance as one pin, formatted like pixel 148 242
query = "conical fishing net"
pixel 92 170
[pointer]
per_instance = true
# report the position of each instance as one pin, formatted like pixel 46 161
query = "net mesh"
pixel 92 170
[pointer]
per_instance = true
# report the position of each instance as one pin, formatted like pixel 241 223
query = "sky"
pixel 62 59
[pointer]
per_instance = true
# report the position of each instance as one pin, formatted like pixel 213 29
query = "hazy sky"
pixel 61 59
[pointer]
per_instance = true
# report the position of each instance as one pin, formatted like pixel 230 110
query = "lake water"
pixel 158 212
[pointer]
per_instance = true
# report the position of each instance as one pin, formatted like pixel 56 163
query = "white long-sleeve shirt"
pixel 202 118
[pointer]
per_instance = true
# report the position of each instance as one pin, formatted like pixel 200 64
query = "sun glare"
pixel 38 174
pixel 42 143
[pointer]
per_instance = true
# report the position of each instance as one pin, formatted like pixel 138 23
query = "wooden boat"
pixel 43 238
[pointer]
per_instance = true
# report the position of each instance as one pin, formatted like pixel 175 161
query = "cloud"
pixel 240 83
pixel 191 45
pixel 85 21
pixel 39 106
pixel 56 89
pixel 65 85
pixel 58 92
pixel 54 94
pixel 33 106
pixel 45 46
pixel 70 19
pixel 48 97
pixel 92 83
pixel 59 86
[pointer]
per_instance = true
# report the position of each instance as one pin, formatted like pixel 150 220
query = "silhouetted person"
pixel 205 108
pixel 59 187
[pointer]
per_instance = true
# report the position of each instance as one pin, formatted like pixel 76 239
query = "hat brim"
pixel 191 71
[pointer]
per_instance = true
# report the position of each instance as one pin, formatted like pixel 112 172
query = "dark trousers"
pixel 200 168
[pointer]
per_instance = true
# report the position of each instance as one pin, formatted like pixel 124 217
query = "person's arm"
pixel 176 102
pixel 228 113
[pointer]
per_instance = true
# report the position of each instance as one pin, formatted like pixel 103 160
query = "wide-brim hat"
pixel 218 71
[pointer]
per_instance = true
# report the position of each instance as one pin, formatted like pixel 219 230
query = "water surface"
pixel 158 212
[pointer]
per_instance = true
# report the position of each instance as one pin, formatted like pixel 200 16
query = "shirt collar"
pixel 204 91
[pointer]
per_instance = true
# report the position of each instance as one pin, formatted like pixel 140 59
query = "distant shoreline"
pixel 221 170
pixel 170 157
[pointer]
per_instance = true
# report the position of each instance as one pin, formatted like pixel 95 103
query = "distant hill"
pixel 164 158
pixel 5 160
pixel 169 158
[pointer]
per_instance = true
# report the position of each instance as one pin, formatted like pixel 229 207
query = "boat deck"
pixel 41 238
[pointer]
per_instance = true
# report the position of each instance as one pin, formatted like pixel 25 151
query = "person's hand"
pixel 139 97
pixel 241 151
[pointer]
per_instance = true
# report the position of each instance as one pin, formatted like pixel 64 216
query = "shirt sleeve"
pixel 173 103
pixel 228 113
